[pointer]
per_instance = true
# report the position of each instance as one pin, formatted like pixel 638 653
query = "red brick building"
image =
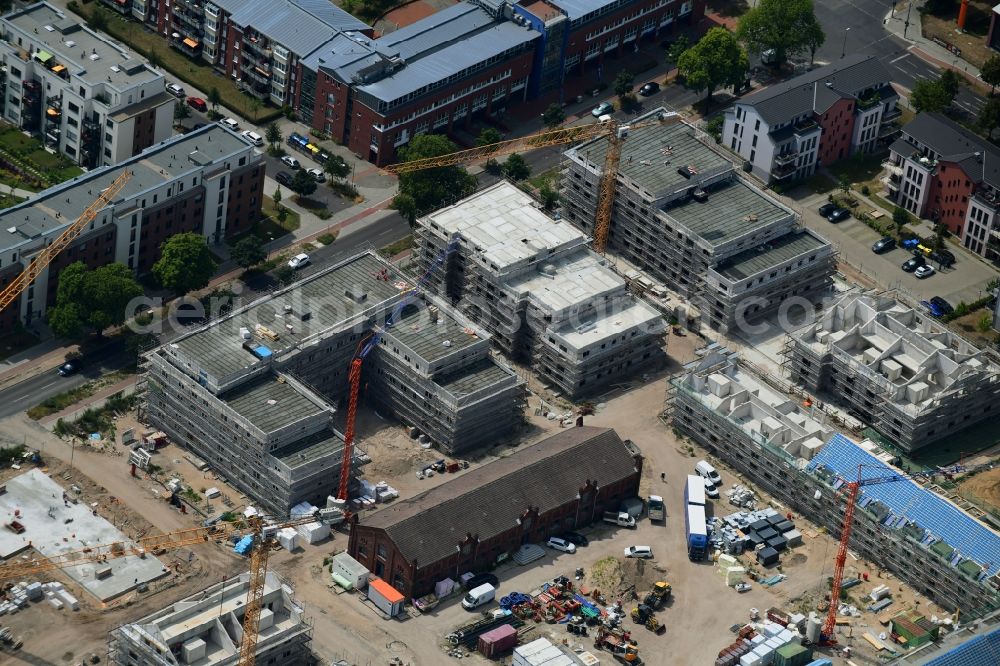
pixel 837 124
pixel 480 518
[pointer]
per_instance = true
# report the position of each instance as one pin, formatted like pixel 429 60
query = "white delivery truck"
pixel 483 594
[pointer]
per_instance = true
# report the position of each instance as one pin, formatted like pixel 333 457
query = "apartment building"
pixel 84 95
pixel 788 130
pixel 255 394
pixel 209 181
pixel 206 628
pixel 542 294
pixel 789 451
pixel 893 368
pixel 941 171
pixel 683 212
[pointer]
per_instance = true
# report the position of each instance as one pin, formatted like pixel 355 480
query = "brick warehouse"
pixel 478 519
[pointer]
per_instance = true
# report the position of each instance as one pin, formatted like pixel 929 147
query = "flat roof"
pixel 572 279
pixel 270 403
pixel 306 450
pixel 54 209
pixel 594 328
pixel 504 226
pixel 473 377
pixel 87 54
pixel 432 340
pixel 759 259
pixel 575 9
pixel 733 209
pixel 297 25
pixel 218 348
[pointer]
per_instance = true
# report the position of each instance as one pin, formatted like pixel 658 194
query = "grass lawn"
pixel 190 71
pixel 861 170
pixel 16 342
pixel 550 178
pixel 972 42
pixel 54 167
pixel 393 249
pixel 6 201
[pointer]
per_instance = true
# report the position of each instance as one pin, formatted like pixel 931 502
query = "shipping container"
pixel 497 641
pixel 385 597
pixel 767 556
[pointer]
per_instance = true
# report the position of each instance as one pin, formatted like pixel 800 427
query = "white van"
pixel 483 594
pixel 230 124
pixel 706 471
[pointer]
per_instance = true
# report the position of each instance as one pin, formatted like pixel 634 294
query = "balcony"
pixel 186 45
pixel 256 88
pixel 988 199
pixel 786 158
pixel 255 74
pixel 891 182
pixel 782 171
pixel 889 130
pixel 891 114
pixel 190 24
pixel 256 47
pixel 805 126
pixel 869 102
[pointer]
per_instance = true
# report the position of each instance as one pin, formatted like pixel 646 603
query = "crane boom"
pixel 17 286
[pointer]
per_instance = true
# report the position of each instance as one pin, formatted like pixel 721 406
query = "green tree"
pixel 900 218
pixel 98 21
pixel 985 322
pixel 549 197
pixel 815 37
pixel 92 300
pixel 185 263
pixel 181 111
pixel 929 96
pixel 489 135
pixel 255 107
pixel 406 207
pixel 990 72
pixel 951 82
pixel 515 168
pixel 844 183
pixel 714 127
pixel 273 136
pixel 337 167
pixel 284 274
pixel 939 233
pixel 303 183
pixel 716 60
pixel 787 26
pixel 154 59
pixel 680 45
pixel 248 252
pixel 434 187
pixel 553 116
pixel 214 98
pixel 623 83
pixel 989 117
pixel 277 197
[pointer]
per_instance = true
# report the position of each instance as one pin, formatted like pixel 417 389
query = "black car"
pixel 884 244
pixel 838 215
pixel 283 178
pixel 913 263
pixel 650 88
pixel 574 538
pixel 828 208
pixel 943 257
pixel 938 304
pixel 70 367
pixel 482 579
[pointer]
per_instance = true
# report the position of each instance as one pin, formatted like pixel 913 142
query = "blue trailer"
pixel 697 532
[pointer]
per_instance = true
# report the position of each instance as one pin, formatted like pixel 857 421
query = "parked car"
pixel 924 271
pixel 197 103
pixel 560 544
pixel 913 263
pixel 703 469
pixel 290 162
pixel 175 90
pixel 317 174
pixel 943 257
pixel 252 137
pixel 884 244
pixel 283 177
pixel 478 596
pixel 711 490
pixel 941 305
pixel 642 552
pixel 299 261
pixel 602 109
pixel 230 124
pixel 650 88
pixel 838 215
pixel 575 538
pixel 482 579
pixel 70 367
pixel 828 208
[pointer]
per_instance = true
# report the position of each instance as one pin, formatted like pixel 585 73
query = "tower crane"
pixel 852 489
pixel 263 536
pixel 614 131
pixel 17 286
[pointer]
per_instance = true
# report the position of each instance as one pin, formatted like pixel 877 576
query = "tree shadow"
pixel 728 8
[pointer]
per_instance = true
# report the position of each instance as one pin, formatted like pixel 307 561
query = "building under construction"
pixel 894 368
pixel 255 394
pixel 544 296
pixel 932 541
pixel 206 629
pixel 683 213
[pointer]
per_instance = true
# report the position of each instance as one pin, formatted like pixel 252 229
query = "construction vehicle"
pixel 45 256
pixel 852 489
pixel 611 129
pixel 619 644
pixel 645 615
pixel 263 540
pixel 658 596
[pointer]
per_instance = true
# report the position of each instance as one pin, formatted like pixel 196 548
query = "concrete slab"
pixel 53 527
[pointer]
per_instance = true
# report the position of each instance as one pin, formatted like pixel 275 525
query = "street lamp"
pixel 843 48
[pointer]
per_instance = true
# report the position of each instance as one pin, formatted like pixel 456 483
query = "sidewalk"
pixel 924 48
pixel 71 413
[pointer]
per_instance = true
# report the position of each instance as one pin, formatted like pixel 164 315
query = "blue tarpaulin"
pixel 244 545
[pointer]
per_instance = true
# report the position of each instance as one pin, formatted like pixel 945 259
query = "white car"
pixel 230 124
pixel 290 162
pixel 560 544
pixel 298 261
pixel 924 271
pixel 317 174
pixel 711 490
pixel 642 552
pixel 176 90
pixel 252 137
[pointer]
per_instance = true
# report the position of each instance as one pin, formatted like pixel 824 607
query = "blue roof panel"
pixel 905 498
pixel 280 21
pixel 575 9
pixel 976 651
pixel 332 15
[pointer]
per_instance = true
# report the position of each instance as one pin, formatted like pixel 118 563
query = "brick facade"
pixel 948 198
pixel 838 127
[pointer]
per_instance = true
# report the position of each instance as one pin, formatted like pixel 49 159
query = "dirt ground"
pixel 972 41
pixel 984 489
pixel 409 14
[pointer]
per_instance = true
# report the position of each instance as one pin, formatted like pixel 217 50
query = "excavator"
pixel 619 644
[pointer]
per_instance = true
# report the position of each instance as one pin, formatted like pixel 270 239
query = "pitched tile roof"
pixel 819 89
pixel 954 143
pixel 489 500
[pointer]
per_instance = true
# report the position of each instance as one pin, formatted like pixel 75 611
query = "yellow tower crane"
pixel 17 286
pixel 614 131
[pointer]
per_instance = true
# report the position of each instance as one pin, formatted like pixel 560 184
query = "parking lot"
pixel 965 281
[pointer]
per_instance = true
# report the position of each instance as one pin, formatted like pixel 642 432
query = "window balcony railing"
pixel 786 158
pixel 805 126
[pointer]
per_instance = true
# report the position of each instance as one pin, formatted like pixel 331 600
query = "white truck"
pixel 483 594
pixel 619 518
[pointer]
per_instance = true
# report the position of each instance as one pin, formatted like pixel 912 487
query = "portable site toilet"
pixel 350 571
pixel 387 598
